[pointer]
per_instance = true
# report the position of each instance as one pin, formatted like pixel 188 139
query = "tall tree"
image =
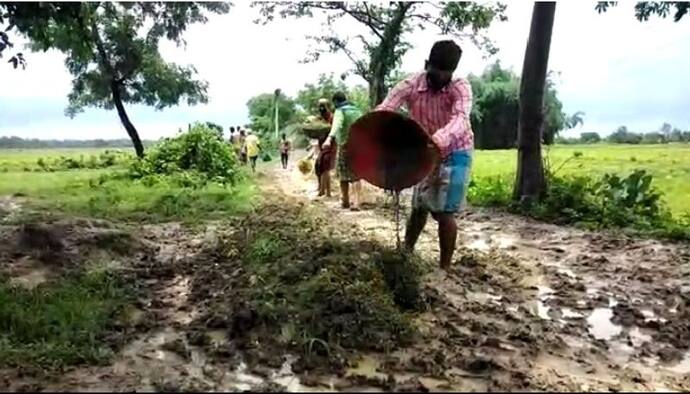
pixel 113 53
pixel 495 109
pixel 530 184
pixel 386 28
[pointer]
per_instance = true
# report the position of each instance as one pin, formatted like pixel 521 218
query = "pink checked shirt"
pixel 445 115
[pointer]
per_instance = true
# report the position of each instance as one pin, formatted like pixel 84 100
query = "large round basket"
pixel 316 130
pixel 390 150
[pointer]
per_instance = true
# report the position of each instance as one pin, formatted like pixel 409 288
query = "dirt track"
pixel 527 306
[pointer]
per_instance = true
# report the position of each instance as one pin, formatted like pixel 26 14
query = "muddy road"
pixel 526 306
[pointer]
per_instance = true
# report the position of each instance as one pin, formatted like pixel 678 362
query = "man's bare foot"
pixel 445 267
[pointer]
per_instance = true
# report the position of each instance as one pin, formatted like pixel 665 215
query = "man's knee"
pixel 444 217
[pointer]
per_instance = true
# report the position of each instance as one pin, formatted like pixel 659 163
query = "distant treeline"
pixel 21 143
pixel 622 136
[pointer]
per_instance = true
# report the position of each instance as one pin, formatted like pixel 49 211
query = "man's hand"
pixel 327 143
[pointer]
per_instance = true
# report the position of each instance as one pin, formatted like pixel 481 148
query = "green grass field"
pixel 82 192
pixel 669 164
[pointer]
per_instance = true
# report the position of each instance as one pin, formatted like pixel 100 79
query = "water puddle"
pixel 568 313
pixel 479 244
pixel 498 241
pixel 217 337
pixel 367 366
pixel 543 310
pixel 567 272
pixel 637 337
pixel 484 298
pixel 600 324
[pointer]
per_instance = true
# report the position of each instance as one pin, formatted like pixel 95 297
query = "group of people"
pixel 329 150
pixel 438 103
pixel 441 105
pixel 246 144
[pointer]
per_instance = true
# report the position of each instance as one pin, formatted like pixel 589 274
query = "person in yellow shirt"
pixel 253 147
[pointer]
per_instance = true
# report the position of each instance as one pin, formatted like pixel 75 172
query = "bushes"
pixel 195 157
pixel 107 159
pixel 609 201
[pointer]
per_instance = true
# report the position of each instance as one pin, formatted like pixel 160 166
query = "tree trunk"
pixel 383 59
pixel 530 184
pixel 104 63
pixel 131 130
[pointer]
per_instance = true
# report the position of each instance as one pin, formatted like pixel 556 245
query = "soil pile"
pixel 291 279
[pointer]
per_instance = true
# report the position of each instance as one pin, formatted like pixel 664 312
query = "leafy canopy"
pixel 494 114
pixel 645 9
pixel 377 49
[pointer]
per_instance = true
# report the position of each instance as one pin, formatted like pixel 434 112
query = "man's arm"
pixel 396 97
pixel 459 123
pixel 338 122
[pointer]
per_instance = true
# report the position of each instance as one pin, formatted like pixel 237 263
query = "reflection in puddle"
pixel 217 337
pixel 366 366
pixel 568 313
pixel 637 337
pixel 568 272
pixel 500 242
pixel 478 244
pixel 543 310
pixel 600 325
pixel 483 298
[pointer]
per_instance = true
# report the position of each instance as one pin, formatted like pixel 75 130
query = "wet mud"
pixel 525 306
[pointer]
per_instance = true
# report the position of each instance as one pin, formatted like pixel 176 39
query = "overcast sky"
pixel 612 67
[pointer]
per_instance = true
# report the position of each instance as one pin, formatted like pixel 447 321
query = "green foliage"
pixel 610 201
pixel 198 155
pixel 493 191
pixel 113 53
pixel 327 85
pixel 623 136
pixel 59 324
pixel 107 159
pixel 589 138
pixel 376 54
pixel 494 114
pixel 262 112
pixel 645 9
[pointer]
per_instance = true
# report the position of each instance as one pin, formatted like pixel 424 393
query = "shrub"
pixel 200 153
pixel 609 201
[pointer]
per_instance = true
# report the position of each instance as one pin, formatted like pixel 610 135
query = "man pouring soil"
pixel 441 105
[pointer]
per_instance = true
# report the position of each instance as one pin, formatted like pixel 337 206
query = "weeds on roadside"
pixel 610 201
pixel 61 323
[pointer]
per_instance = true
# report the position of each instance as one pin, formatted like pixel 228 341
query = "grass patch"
pixel 105 194
pixel 609 201
pixel 669 164
pixel 62 323
pixel 311 287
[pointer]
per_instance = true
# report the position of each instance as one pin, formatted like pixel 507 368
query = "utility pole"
pixel 275 105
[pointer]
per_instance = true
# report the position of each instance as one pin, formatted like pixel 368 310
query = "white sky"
pixel 614 68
